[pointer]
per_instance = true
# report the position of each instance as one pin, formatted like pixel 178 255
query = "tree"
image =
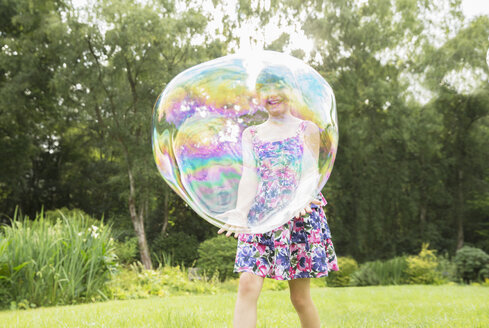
pixel 113 75
pixel 454 73
pixel 29 114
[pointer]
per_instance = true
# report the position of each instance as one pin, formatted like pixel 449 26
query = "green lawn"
pixel 389 306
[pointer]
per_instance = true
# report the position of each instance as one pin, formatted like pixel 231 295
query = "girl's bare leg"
pixel 301 299
pixel 248 291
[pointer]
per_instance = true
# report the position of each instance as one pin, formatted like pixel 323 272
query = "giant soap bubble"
pixel 246 140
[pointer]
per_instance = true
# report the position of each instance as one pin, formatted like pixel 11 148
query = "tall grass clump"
pixel 52 262
pixel 425 268
pixel 390 272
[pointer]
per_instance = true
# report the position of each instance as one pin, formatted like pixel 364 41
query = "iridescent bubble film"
pixel 246 141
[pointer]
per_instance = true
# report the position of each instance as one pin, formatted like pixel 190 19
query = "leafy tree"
pixel 28 103
pixel 117 64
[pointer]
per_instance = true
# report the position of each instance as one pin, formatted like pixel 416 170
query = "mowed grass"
pixel 383 306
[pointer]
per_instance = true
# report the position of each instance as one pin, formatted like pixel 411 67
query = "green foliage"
pixel 73 214
pixel 378 272
pixel 216 257
pixel 422 269
pixel 272 284
pixel 342 278
pixel 45 263
pixel 136 282
pixel 180 246
pixel 127 250
pixel 77 88
pixel 29 141
pixel 472 264
pixel 447 268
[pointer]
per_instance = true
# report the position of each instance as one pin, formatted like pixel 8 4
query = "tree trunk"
pixel 460 209
pixel 138 223
pixel 165 214
pixel 422 221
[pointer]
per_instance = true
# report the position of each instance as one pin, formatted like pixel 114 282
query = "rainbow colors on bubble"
pixel 199 149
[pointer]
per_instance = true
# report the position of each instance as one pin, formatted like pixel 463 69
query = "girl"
pixel 273 159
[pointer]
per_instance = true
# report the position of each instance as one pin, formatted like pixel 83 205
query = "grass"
pixel 379 306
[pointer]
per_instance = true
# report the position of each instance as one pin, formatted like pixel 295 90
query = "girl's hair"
pixel 274 74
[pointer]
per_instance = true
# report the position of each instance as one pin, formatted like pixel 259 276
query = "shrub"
pixel 216 257
pixel 45 263
pixel 422 268
pixel 135 282
pixel 365 276
pixel 127 250
pixel 378 272
pixel 484 273
pixel 73 214
pixel 342 278
pixel 447 268
pixel 472 264
pixel 181 248
pixel 275 285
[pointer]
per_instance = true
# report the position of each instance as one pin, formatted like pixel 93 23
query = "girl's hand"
pixel 307 209
pixel 236 221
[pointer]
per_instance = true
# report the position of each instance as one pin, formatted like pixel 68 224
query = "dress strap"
pixel 253 134
pixel 302 127
pixel 321 198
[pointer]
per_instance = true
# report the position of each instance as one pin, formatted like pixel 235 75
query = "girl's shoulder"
pixel 308 127
pixel 249 131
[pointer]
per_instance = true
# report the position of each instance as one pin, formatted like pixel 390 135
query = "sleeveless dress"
pixel 301 248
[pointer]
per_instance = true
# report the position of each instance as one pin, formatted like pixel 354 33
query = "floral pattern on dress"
pixel 279 165
pixel 302 247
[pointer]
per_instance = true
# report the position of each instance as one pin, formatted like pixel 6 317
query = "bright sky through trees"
pixel 253 36
pixel 471 8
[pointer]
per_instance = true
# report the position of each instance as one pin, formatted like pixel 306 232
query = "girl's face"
pixel 274 97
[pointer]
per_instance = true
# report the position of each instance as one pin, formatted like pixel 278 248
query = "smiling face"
pixel 274 98
pixel 274 88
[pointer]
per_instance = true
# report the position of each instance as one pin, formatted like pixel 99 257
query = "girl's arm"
pixel 237 219
pixel 248 184
pixel 310 173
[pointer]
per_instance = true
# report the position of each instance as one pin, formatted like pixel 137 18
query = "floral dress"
pixel 301 248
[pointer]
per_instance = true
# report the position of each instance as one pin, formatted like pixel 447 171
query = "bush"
pixel 135 282
pixel 378 272
pixel 484 273
pixel 74 214
pixel 472 264
pixel 127 250
pixel 447 268
pixel 365 276
pixel 342 278
pixel 180 247
pixel 46 263
pixel 216 257
pixel 422 268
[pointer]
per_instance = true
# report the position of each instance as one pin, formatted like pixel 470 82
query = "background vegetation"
pixel 77 86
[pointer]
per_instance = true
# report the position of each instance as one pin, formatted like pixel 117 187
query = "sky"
pixel 463 81
pixel 472 8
